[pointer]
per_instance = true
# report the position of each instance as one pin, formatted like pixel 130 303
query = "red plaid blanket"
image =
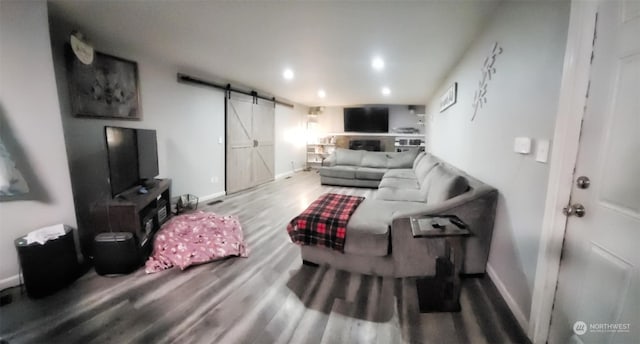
pixel 324 222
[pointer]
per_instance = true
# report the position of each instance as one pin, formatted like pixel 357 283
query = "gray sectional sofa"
pixel 360 168
pixel 379 239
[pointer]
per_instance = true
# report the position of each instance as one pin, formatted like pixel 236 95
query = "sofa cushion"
pixel 399 183
pixel 417 159
pixel 400 173
pixel 374 159
pixel 444 184
pixel 424 166
pixel 346 172
pixel 348 157
pixel 368 229
pixel 395 194
pixel 401 159
pixel 370 173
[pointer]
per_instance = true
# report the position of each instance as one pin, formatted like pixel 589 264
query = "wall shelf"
pixel 376 134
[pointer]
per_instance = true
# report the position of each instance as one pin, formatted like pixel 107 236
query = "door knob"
pixel 583 182
pixel 574 209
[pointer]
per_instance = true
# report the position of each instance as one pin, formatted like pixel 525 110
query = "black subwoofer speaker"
pixel 49 267
pixel 116 253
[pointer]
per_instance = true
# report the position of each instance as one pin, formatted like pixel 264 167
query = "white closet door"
pixel 250 142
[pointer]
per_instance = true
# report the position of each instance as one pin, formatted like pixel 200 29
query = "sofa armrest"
pixel 330 160
pixel 477 209
pixel 449 205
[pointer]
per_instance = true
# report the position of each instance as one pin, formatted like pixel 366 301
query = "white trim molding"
pixel 9 282
pixel 212 196
pixel 511 302
pixel 288 173
pixel 573 90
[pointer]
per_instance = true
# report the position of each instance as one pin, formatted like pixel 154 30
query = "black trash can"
pixel 48 267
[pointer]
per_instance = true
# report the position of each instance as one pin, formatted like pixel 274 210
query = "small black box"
pixel 116 253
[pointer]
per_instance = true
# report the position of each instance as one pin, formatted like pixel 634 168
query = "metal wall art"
pixel 487 70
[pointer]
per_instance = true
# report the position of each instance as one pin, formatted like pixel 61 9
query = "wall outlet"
pixel 215 179
pixel 522 145
pixel 220 140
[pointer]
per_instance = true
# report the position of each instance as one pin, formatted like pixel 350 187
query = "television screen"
pixel 147 153
pixel 366 119
pixel 123 158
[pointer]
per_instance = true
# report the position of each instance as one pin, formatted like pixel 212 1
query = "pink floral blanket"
pixel 196 238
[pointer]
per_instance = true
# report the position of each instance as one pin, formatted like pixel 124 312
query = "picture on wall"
pixel 108 87
pixel 12 183
pixel 449 97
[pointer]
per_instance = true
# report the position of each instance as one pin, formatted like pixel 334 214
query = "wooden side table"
pixel 441 293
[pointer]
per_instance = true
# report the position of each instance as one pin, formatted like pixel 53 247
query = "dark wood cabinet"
pixel 139 213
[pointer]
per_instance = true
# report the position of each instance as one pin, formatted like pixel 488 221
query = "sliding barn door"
pixel 250 142
pixel 263 159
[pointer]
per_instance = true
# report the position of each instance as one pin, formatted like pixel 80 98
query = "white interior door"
pixel 250 142
pixel 598 294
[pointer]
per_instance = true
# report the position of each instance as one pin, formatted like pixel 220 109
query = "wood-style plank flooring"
pixel 269 297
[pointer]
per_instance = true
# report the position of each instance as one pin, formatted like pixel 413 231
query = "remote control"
pixel 458 223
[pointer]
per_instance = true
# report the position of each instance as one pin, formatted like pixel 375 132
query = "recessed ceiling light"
pixel 377 63
pixel 288 74
pixel 322 93
pixel 386 91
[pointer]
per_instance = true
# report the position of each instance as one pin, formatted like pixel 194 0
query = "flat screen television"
pixel 132 156
pixel 147 154
pixel 366 119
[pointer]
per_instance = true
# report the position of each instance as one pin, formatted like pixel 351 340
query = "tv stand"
pixel 139 213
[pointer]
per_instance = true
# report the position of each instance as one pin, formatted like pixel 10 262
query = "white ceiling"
pixel 328 45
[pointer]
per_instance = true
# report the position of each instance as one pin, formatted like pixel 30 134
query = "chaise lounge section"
pixel 379 239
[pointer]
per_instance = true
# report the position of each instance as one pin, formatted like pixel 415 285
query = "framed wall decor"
pixel 449 97
pixel 108 87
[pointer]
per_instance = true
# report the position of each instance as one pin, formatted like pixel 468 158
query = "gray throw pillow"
pixel 401 159
pixel 444 184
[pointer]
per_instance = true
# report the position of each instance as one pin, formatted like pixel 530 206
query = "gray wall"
pixel 30 127
pixel 521 101
pixel 290 140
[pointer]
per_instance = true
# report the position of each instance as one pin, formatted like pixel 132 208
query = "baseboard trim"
pixel 212 196
pixel 9 282
pixel 288 173
pixel 511 303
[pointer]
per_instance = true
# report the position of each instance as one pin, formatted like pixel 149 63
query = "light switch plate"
pixel 522 145
pixel 542 151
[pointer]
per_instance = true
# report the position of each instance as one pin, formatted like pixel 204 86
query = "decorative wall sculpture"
pixel 108 87
pixel 487 70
